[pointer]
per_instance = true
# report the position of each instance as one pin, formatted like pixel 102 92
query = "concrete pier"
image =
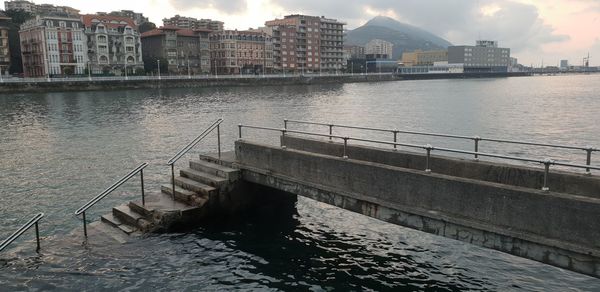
pixel 493 205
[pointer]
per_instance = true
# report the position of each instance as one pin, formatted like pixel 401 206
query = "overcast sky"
pixel 535 30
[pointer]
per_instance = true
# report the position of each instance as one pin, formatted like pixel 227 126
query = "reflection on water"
pixel 60 149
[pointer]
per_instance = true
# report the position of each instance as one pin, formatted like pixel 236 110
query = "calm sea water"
pixel 57 150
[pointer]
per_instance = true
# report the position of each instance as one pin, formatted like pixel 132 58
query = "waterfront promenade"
pixel 16 85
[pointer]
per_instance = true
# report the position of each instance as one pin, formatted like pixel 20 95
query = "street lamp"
pixel 126 70
pixel 189 74
pixel 89 71
pixel 215 62
pixel 158 65
pixel 1 73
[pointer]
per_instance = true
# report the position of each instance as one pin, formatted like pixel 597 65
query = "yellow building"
pixel 423 58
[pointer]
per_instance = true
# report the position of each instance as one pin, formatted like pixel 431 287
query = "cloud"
pixel 224 6
pixel 515 25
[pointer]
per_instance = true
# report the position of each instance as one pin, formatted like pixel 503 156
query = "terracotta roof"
pixel 107 20
pixel 186 32
pixel 151 33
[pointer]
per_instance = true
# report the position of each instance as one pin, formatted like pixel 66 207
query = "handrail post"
pixel 345 154
pixel 283 131
pixel 395 139
pixel 240 131
pixel 547 163
pixel 476 139
pixel 219 139
pixel 173 180
pixel 142 182
pixel 84 225
pixel 589 159
pixel 428 148
pixel 37 236
pixel 330 132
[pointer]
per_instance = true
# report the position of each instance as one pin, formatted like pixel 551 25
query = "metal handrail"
pixel 106 192
pixel 216 124
pixel 476 139
pixel 20 231
pixel 428 148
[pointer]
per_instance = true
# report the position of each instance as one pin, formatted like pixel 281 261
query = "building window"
pixel 62 24
pixel 102 39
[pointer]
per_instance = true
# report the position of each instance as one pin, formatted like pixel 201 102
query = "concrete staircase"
pixel 197 187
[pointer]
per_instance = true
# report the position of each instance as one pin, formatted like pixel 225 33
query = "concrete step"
pixel 128 216
pixel 215 169
pixel 227 158
pixel 194 186
pixel 100 232
pixel 160 203
pixel 140 208
pixel 117 223
pixel 203 177
pixel 185 196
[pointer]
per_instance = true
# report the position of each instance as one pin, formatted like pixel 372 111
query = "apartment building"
pixel 304 43
pixel 138 18
pixel 53 45
pixel 379 47
pixel 354 52
pixel 332 45
pixel 39 9
pixel 241 52
pixel 114 45
pixel 193 23
pixel 186 51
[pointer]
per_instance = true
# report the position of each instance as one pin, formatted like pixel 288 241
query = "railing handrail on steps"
pixel 428 148
pixel 215 125
pixel 106 192
pixel 20 231
pixel 187 148
pixel 476 139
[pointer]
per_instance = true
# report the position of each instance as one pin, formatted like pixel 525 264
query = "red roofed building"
pixel 53 46
pixel 114 45
pixel 185 51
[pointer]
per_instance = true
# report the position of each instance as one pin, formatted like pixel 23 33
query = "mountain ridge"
pixel 405 37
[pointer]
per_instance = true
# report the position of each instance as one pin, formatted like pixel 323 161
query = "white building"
pixel 379 47
pixel 114 45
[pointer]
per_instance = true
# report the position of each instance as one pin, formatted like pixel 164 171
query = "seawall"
pixel 83 84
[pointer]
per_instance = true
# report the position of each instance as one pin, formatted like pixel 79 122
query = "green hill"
pixel 404 37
